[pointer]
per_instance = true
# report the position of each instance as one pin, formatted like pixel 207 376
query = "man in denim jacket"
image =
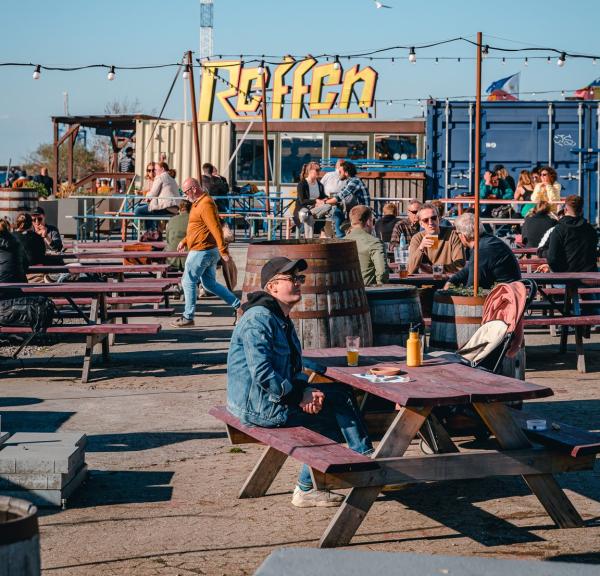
pixel 266 385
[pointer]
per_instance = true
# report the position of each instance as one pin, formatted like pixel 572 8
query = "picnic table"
pixel 118 270
pixel 440 382
pixel 99 324
pixel 122 254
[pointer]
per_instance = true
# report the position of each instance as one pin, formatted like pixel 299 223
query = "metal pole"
pixel 265 140
pixel 194 117
pixel 56 160
pixel 477 163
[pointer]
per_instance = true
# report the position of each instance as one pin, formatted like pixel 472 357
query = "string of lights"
pixel 370 55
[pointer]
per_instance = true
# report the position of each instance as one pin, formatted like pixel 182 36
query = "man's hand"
pixel 312 401
pixel 447 286
pixel 487 178
pixel 543 268
pixel 181 246
pixel 319 202
pixel 41 230
pixel 425 243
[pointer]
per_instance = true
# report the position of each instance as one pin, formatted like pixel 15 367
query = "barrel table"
pixel 334 303
pixel 393 310
pixel 16 200
pixel 19 537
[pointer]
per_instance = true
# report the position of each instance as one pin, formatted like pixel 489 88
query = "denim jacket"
pixel 260 374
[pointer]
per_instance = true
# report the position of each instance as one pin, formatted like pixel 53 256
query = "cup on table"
pixel 352 350
pixel 402 270
pixel 436 240
pixel 438 271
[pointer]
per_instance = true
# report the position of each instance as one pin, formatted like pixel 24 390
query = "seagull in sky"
pixel 381 5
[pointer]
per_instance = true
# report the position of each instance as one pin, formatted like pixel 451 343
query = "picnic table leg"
pixel 564 334
pixel 510 437
pixel 357 504
pixel 580 349
pixel 90 342
pixel 264 473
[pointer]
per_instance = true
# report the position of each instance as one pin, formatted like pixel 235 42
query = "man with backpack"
pixel 353 193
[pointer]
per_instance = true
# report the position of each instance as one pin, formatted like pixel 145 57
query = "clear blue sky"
pixel 138 32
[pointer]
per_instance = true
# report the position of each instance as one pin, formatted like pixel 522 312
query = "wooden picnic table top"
pixel 418 279
pixel 438 382
pixel 518 251
pixel 70 288
pixel 99 268
pixel 120 254
pixel 471 200
pixel 112 244
pixel 572 278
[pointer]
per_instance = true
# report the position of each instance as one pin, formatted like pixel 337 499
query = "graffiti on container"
pixel 564 140
pixel 329 86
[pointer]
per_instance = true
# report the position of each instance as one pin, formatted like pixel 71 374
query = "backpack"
pixel 35 312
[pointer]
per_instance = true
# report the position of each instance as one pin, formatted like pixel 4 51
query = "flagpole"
pixel 477 163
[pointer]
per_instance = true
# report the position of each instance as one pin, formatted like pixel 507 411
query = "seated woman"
pixel 385 225
pixel 163 197
pixel 537 223
pixel 523 192
pixel 548 189
pixel 493 188
pixel 33 244
pixel 309 190
pixel 13 263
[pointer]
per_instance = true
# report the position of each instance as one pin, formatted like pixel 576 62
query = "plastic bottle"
pixel 402 257
pixel 413 348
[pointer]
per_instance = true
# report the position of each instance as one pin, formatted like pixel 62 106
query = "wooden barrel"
pixel 455 319
pixel 334 304
pixel 19 537
pixel 393 310
pixel 16 200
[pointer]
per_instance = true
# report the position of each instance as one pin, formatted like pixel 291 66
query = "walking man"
pixel 204 240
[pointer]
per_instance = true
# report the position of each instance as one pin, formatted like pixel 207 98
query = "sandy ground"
pixel 161 495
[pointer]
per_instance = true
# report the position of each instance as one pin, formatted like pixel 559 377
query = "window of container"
pixel 395 146
pixel 297 150
pixel 353 147
pixel 249 161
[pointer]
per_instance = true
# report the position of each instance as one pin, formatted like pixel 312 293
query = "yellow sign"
pixel 242 95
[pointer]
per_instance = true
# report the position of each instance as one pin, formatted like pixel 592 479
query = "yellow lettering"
pixel 318 82
pixel 369 77
pixel 280 88
pixel 208 88
pixel 246 101
pixel 299 89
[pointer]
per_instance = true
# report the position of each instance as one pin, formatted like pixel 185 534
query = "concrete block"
pixel 7 462
pixel 34 481
pixel 48 439
pixel 4 436
pixel 55 459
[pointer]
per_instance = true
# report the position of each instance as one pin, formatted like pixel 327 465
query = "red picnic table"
pixel 121 254
pixel 439 382
pixel 99 325
pixel 118 270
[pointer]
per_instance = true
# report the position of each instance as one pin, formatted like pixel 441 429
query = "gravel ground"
pixel 161 495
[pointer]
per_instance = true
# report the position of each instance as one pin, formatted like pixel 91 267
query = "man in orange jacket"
pixel 204 241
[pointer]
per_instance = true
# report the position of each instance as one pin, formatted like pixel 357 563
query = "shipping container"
pixel 519 135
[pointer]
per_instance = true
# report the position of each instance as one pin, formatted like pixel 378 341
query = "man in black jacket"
pixel 573 243
pixel 497 263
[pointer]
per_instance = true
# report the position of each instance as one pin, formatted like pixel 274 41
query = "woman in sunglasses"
pixel 548 189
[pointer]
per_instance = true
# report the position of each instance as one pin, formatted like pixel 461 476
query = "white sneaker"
pixel 314 497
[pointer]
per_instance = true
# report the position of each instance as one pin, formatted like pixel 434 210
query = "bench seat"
pixel 89 329
pixel 570 439
pixel 562 320
pixel 307 446
pixel 111 300
pixel 139 312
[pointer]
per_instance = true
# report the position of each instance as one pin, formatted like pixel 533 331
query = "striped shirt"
pixel 354 187
pixel 404 227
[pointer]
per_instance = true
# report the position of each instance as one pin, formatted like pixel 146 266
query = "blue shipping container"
pixel 519 135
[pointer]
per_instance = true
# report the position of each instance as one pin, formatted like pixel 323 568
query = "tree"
pixel 123 107
pixel 84 161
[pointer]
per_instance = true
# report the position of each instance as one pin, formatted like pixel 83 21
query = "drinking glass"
pixel 352 350
pixel 438 271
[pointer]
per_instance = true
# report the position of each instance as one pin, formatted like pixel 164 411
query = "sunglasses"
pixel 295 279
pixel 414 211
pixel 37 218
pixel 545 174
pixel 430 219
pixel 149 169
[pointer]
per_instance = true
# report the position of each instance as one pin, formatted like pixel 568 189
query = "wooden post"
pixel 477 163
pixel 194 117
pixel 265 129
pixel 56 160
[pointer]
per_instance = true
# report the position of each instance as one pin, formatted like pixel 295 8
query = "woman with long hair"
pixel 309 190
pixel 33 244
pixel 548 189
pixel 523 192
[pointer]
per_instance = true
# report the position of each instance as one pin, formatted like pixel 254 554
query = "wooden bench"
pixel 311 448
pixel 94 333
pixel 112 300
pixel 561 437
pixel 578 322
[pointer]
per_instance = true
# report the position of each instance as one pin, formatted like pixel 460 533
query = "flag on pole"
pixel 590 92
pixel 505 88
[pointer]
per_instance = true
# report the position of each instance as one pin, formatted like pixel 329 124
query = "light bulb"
pixel 526 62
pixel 437 60
pixel 594 61
pixel 561 59
pixel 389 102
pixel 412 57
pixel 36 73
pixel 485 51
pixel 261 69
pixel 111 74
pixel 186 73
pixel 549 60
pixel 336 64
pixel 503 61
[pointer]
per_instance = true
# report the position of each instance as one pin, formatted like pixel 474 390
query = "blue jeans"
pixel 201 266
pixel 339 420
pixel 338 216
pixel 144 210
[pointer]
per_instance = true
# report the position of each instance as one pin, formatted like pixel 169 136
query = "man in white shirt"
pixel 332 183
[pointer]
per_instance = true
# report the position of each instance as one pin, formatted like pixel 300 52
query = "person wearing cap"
pixel 49 233
pixel 265 382
pixel 371 250
pixel 206 245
